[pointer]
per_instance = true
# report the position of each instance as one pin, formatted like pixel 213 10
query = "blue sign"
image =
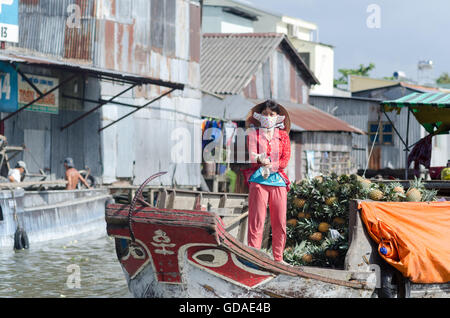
pixel 9 20
pixel 8 88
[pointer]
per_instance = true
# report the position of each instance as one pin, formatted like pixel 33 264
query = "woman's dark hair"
pixel 273 106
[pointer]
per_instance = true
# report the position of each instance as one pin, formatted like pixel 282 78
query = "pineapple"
pixel 429 195
pixel 394 192
pixel 317 236
pixel 331 253
pixel 365 184
pixel 324 227
pixel 300 254
pixel 299 202
pixel 338 220
pixel 399 189
pixel 288 249
pixel 319 179
pixel 376 195
pixel 330 201
pixel 417 192
pixel 303 215
pixel 306 227
pixel 314 207
pixel 413 195
pixel 307 258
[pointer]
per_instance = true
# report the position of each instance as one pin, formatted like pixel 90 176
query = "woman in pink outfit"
pixel 269 150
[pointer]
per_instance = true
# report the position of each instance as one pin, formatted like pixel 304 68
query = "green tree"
pixel 443 79
pixel 345 72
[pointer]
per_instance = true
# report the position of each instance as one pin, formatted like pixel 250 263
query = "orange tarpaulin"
pixel 414 237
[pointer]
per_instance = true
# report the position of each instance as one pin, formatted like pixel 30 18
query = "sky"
pixel 393 34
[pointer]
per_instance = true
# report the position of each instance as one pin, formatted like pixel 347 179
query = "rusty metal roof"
pixel 310 118
pixel 303 117
pixel 86 68
pixel 229 60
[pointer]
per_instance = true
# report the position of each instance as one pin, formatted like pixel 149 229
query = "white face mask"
pixel 269 122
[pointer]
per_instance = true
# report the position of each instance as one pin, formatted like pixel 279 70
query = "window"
pixel 306 58
pixel 326 162
pixel 385 134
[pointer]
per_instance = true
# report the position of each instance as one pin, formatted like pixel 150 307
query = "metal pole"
pixel 83 99
pixel 39 98
pixel 141 107
pixel 97 107
pixel 407 147
pixel 28 81
pixel 395 129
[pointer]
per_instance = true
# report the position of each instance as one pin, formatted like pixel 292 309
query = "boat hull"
pixel 49 215
pixel 199 283
pixel 182 254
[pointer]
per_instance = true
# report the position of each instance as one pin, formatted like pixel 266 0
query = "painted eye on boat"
pixel 211 257
pixel 137 252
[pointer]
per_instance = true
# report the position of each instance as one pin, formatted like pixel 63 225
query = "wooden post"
pixel 131 194
pixel 151 196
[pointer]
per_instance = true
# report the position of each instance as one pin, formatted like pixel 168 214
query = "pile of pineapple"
pixel 317 214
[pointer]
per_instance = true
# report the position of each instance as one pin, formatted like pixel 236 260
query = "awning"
pixel 90 70
pixel 76 69
pixel 432 110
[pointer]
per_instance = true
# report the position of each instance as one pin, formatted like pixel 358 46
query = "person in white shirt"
pixel 15 175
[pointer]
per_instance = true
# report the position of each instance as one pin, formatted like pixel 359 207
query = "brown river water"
pixel 77 267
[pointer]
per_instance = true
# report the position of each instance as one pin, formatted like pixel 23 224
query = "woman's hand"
pixel 262 159
pixel 266 162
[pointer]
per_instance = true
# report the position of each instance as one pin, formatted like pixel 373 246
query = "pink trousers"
pixel 276 197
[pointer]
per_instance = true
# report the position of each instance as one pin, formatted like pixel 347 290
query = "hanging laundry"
pixel 230 133
pixel 212 132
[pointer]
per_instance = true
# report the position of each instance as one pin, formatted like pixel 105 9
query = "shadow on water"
pixel 75 267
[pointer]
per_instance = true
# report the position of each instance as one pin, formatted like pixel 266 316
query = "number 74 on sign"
pixel 8 88
pixel 5 86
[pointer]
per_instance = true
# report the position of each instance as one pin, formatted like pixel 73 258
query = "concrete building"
pixel 106 59
pixel 232 16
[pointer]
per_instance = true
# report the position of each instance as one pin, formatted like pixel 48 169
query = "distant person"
pixel 73 176
pixel 18 173
pixel 445 173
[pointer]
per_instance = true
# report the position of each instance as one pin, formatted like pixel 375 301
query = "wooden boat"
pixel 43 215
pixel 169 252
pixel 38 209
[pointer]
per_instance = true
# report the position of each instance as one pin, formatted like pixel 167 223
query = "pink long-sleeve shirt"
pixel 278 150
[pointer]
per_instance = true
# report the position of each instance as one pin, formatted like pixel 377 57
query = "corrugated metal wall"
pixel 278 79
pixel 165 46
pixel 157 38
pixel 47 145
pixel 359 113
pixel 44 28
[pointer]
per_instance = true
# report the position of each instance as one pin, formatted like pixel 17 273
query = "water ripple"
pixel 45 269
